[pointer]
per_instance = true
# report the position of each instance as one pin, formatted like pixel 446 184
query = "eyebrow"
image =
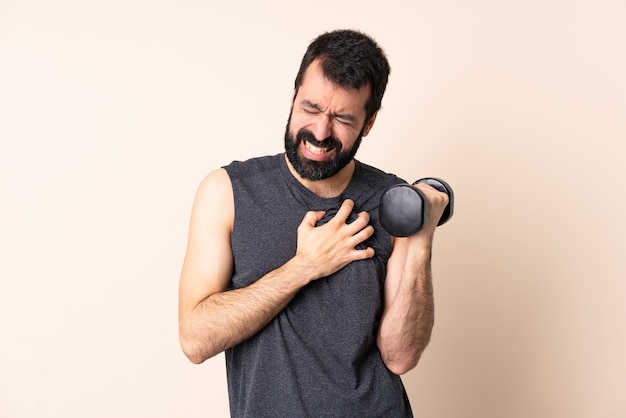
pixel 345 116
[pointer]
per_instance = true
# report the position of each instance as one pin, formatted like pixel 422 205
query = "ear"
pixel 369 124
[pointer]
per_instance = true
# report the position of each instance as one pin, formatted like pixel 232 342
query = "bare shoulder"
pixel 214 199
pixel 216 178
pixel 208 260
pixel 215 184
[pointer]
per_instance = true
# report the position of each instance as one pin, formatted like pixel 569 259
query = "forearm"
pixel 213 319
pixel 227 318
pixel 407 321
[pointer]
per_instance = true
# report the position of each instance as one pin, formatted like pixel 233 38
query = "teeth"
pixel 314 149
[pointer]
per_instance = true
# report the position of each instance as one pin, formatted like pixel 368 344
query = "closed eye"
pixel 344 121
pixel 310 107
pixel 310 111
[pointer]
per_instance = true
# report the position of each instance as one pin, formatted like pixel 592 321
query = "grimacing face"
pixel 325 126
pixel 317 170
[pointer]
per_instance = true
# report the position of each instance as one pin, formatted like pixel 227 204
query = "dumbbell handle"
pixel 403 209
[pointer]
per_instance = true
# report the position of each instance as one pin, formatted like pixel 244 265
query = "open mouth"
pixel 316 149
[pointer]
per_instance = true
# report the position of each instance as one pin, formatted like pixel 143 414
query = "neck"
pixel 330 187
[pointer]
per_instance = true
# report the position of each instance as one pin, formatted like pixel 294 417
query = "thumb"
pixel 312 218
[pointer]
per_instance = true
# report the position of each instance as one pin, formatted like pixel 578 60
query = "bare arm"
pixel 408 314
pixel 212 318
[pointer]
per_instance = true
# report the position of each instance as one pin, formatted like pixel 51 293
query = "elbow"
pixel 192 354
pixel 402 366
pixel 192 351
pixel 195 358
pixel 400 359
pixel 197 347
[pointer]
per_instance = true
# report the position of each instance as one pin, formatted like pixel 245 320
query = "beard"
pixel 317 170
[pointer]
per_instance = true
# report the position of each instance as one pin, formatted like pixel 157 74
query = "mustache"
pixel 330 142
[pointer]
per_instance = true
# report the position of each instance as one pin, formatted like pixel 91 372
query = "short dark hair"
pixel 352 60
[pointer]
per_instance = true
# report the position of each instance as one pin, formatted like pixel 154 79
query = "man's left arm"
pixel 408 312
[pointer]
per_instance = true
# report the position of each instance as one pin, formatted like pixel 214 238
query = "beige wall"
pixel 112 111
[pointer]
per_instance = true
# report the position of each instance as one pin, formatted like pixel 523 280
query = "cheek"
pixel 346 135
pixel 297 123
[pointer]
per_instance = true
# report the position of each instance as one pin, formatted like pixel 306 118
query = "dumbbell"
pixel 403 209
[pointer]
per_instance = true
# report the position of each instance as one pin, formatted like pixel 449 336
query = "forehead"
pixel 317 88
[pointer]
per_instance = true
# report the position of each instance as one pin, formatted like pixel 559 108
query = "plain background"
pixel 111 112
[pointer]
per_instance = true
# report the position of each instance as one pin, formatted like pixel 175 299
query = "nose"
pixel 322 127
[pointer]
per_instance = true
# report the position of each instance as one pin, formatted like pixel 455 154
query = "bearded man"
pixel 288 271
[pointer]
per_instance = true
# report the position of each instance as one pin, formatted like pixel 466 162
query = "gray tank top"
pixel 318 357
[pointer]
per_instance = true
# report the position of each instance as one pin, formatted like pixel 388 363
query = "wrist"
pixel 420 242
pixel 301 273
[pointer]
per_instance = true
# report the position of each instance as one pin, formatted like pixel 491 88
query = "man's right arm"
pixel 213 318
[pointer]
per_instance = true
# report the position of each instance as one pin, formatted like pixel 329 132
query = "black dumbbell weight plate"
pixel 408 213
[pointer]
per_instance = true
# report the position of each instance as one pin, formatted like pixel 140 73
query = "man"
pixel 287 269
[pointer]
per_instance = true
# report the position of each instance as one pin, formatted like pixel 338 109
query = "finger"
pixel 362 235
pixel 430 192
pixel 344 211
pixel 436 201
pixel 362 220
pixel 311 218
pixel 363 254
pixel 426 188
